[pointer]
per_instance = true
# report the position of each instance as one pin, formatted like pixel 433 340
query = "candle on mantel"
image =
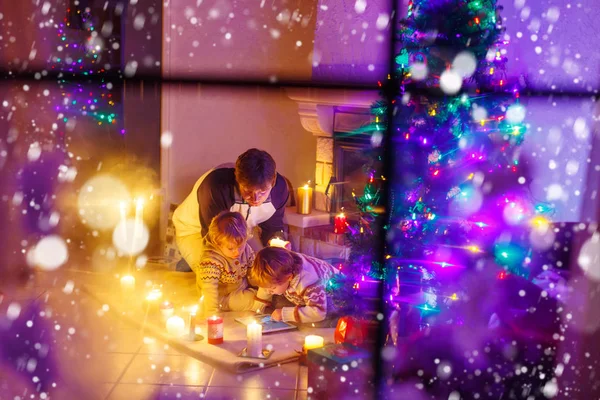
pixel 215 330
pixel 254 335
pixel 128 283
pixel 340 224
pixel 313 342
pixel 304 199
pixel 176 326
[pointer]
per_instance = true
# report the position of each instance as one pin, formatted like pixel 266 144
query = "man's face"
pixel 255 196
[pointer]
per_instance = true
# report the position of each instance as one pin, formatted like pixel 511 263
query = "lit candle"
pixel 313 342
pixel 201 306
pixel 128 283
pixel 154 295
pixel 340 224
pixel 123 212
pixel 276 242
pixel 139 217
pixel 176 326
pixel 192 324
pixel 215 330
pixel 166 309
pixel 254 335
pixel 304 199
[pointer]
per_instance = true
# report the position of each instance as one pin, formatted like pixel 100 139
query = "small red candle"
pixel 215 330
pixel 340 224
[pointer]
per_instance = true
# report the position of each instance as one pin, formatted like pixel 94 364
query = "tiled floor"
pixel 92 354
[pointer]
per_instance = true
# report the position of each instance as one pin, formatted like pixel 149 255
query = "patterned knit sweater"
pixel 306 291
pixel 218 275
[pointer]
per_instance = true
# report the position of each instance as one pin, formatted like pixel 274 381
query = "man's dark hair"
pixel 255 168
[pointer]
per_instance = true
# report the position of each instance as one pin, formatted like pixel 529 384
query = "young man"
pixel 253 188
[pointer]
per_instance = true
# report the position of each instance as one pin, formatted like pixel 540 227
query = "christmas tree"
pixel 460 201
pixel 456 132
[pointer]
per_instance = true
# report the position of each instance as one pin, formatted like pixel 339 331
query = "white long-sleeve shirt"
pixel 306 291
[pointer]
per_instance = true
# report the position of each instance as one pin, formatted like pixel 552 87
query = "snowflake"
pixel 466 225
pixel 453 192
pixel 419 122
pixel 434 157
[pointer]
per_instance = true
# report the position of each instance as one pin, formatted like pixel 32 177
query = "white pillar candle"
pixel 254 333
pixel 176 326
pixel 128 283
pixel 313 342
pixel 276 242
pixel 192 325
pixel 201 306
pixel 166 309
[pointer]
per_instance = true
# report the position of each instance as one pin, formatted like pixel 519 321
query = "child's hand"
pixel 276 315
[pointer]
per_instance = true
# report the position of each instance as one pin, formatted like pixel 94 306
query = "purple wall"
pixel 554 42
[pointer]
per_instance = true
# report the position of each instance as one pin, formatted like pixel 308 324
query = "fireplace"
pixel 334 116
pixel 349 174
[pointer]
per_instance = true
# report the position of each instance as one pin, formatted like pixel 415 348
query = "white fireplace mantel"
pixel 316 107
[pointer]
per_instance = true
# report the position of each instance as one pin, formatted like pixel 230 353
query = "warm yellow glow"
pixel 154 295
pixel 388 257
pixel 471 175
pixel 540 223
pixel 128 282
pixel 100 200
pixel 276 242
pixel 176 326
pixel 454 296
pixel 313 342
pixel 474 249
pixel 139 203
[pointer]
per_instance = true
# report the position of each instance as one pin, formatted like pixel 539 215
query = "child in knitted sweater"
pixel 300 278
pixel 221 272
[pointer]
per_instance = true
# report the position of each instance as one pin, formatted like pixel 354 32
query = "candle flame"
pixel 139 203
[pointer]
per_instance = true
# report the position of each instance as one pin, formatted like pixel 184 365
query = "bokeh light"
pixel 99 201
pixel 131 237
pixel 50 253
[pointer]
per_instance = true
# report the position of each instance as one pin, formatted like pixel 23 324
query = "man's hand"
pixel 277 315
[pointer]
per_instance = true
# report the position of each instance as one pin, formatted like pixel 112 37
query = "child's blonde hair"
pixel 228 226
pixel 273 265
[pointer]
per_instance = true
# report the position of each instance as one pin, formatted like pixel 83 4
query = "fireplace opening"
pixel 350 157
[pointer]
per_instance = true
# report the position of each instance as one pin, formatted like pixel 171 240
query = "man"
pixel 253 188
